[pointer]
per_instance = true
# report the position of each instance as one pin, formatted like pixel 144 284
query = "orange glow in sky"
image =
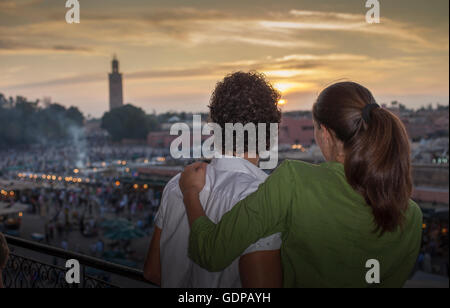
pixel 172 56
pixel 282 102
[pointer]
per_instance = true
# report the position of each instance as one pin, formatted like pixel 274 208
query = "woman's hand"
pixel 193 178
pixel 4 252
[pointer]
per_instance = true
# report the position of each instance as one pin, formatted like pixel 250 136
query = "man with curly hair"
pixel 4 254
pixel 241 98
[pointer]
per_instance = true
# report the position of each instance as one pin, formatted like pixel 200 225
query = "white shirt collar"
pixel 238 164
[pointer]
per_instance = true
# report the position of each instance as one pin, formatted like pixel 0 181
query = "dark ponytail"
pixel 377 150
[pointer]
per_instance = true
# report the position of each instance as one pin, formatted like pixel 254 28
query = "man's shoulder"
pixel 173 183
pixel 171 190
pixel 171 201
pixel 236 179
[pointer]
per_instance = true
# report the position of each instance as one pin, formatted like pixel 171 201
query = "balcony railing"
pixel 26 269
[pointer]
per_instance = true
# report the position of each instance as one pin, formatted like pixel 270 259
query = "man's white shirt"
pixel 228 180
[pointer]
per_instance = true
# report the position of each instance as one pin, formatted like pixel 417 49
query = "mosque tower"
pixel 115 86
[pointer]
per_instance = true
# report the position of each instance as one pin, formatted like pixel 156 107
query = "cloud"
pixel 10 5
pixel 168 49
pixel 351 23
pixel 193 27
pixel 277 68
pixel 14 46
pixel 292 73
pixel 320 16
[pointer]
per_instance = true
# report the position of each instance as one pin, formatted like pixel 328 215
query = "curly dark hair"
pixel 245 98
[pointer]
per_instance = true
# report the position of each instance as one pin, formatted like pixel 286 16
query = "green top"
pixel 327 230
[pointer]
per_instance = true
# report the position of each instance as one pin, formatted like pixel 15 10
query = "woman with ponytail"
pixel 348 222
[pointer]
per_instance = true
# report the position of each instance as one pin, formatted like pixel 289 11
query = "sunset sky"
pixel 172 52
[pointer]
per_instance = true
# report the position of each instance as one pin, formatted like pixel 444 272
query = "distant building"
pixel 430 195
pixel 160 140
pixel 296 131
pixel 115 86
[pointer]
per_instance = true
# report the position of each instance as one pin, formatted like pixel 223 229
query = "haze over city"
pixel 173 52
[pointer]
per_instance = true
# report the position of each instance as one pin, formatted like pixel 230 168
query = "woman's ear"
pixel 326 134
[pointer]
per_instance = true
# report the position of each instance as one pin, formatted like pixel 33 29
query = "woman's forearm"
pixel 215 246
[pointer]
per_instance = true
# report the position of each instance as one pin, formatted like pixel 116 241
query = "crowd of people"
pixel 64 157
pixel 71 216
pixel 83 207
pixel 433 256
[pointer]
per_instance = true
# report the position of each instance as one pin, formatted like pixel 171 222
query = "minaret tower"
pixel 115 86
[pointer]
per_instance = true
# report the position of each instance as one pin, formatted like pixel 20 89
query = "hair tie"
pixel 366 112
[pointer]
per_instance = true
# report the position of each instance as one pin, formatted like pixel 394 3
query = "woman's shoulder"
pixel 308 170
pixel 414 212
pixel 297 165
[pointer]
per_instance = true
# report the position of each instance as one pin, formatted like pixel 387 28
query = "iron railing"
pixel 23 271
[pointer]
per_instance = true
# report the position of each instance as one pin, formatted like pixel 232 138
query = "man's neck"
pixel 254 160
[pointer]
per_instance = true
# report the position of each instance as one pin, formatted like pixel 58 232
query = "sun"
pixel 282 102
pixel 287 87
